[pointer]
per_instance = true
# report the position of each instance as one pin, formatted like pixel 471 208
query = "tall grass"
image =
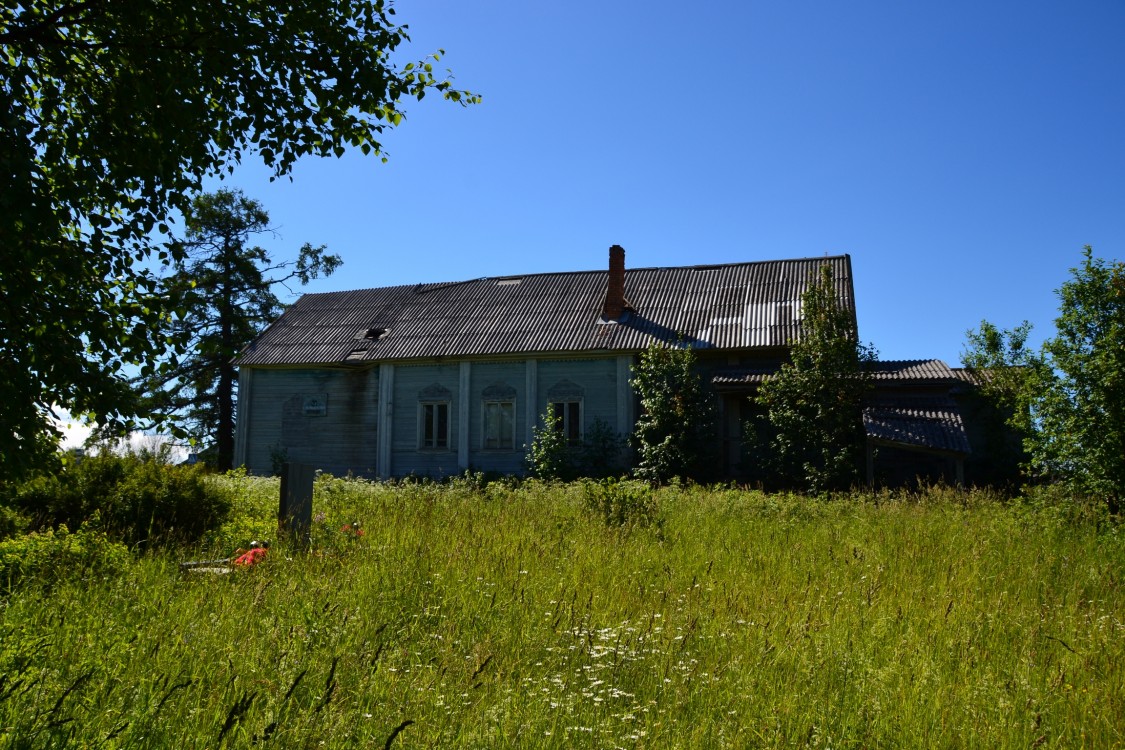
pixel 516 617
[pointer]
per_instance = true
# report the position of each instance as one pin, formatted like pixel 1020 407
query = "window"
pixel 433 417
pixel 499 425
pixel 567 416
pixel 434 430
pixel 564 405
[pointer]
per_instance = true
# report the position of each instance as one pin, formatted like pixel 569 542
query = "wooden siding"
pixel 411 384
pixel 597 379
pixel 497 375
pixel 281 418
pixel 357 402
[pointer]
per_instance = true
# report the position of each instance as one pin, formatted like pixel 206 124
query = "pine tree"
pixel 224 291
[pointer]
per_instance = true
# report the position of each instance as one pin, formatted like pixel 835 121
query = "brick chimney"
pixel 615 293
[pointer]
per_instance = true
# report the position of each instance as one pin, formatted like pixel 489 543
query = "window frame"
pixel 487 405
pixel 574 432
pixel 433 421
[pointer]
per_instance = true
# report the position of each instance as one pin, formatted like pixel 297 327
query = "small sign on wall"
pixel 315 406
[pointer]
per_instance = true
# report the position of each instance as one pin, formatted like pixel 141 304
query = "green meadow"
pixel 476 615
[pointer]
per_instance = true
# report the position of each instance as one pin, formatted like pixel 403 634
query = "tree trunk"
pixel 224 393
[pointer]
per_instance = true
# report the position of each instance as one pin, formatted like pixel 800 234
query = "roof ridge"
pixel 909 361
pixel 426 286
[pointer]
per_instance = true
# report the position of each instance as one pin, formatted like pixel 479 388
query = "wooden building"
pixel 434 379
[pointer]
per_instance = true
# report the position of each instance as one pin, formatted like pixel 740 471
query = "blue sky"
pixel 961 152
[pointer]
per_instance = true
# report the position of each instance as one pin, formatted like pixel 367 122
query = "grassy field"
pixel 515 617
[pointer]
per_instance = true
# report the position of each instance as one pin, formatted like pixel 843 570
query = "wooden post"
pixel 870 464
pixel 294 512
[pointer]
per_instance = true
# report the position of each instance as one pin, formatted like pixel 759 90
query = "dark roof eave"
pixel 871 439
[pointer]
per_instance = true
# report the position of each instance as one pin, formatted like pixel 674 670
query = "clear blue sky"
pixel 961 152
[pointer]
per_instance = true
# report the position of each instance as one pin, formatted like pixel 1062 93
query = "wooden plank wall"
pixel 505 374
pixel 596 377
pixel 406 457
pixel 343 439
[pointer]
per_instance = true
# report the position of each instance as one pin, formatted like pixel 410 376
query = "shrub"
pixel 1068 399
pixel 12 522
pixel 676 432
pixel 622 502
pixel 600 454
pixel 58 554
pixel 139 501
pixel 814 404
pixel 549 456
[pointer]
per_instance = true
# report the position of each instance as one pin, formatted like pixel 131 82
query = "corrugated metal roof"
pixel 735 376
pixel 933 423
pixel 733 306
pixel 975 377
pixel 914 371
pixel 908 372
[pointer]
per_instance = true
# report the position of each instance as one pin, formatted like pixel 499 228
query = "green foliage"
pixel 814 404
pixel 279 456
pixel 622 503
pixel 223 291
pixel 1069 398
pixel 12 522
pixel 1079 397
pixel 140 502
pixel 112 114
pixel 253 514
pixel 551 457
pixel 504 617
pixel 676 433
pixel 57 554
pixel 1002 364
pixel 602 451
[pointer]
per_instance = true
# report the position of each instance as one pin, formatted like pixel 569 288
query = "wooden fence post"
pixel 294 512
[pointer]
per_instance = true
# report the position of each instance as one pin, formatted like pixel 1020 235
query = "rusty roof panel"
pixel 734 306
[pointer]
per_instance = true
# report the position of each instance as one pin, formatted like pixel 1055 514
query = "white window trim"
pixel 448 447
pixel 484 425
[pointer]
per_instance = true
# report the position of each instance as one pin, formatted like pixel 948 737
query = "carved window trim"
pixel 435 422
pixel 498 418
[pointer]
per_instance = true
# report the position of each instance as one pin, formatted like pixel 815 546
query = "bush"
pixel 676 432
pixel 813 405
pixel 549 456
pixel 598 455
pixel 12 522
pixel 622 503
pixel 140 501
pixel 58 554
